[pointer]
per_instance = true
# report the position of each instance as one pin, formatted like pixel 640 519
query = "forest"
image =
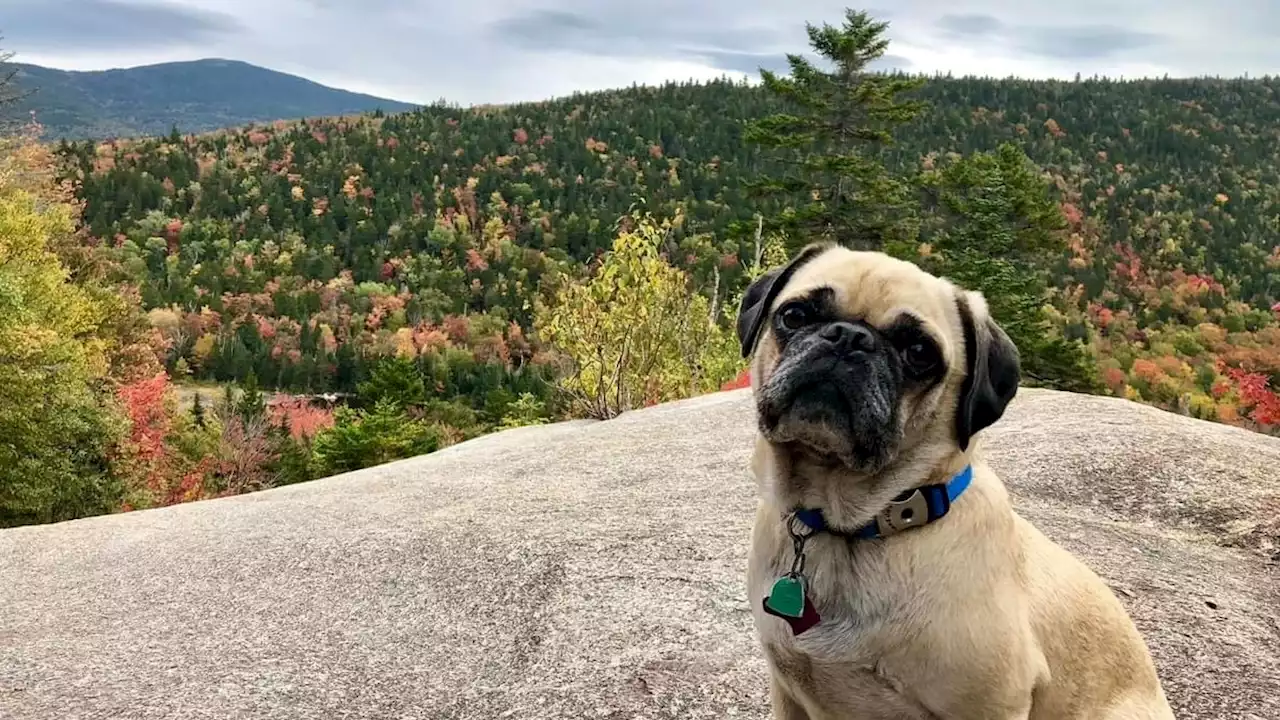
pixel 380 286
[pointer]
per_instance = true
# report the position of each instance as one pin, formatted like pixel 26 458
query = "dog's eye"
pixel 920 357
pixel 794 317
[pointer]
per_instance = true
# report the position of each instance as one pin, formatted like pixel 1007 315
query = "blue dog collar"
pixel 912 508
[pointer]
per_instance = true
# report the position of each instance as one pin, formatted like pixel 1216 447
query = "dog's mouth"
pixel 830 413
pixel 817 402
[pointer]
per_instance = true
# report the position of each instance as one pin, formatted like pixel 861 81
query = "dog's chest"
pixel 846 662
pixel 845 588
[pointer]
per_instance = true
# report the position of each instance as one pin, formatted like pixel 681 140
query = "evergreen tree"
pixel 990 225
pixel 197 411
pixel 395 380
pixel 829 149
pixel 363 438
pixel 252 405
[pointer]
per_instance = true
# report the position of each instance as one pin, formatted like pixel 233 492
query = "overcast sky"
pixel 506 50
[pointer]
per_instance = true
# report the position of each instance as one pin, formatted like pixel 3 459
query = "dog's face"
pixel 860 357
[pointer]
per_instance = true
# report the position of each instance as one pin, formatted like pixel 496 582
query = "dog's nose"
pixel 849 338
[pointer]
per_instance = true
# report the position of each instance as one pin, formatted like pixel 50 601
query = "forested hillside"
pixel 431 268
pixel 1171 189
pixel 194 96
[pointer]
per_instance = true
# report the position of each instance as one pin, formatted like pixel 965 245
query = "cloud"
pixel 969 25
pixel 1090 42
pixel 1066 42
pixel 103 24
pixel 745 62
pixel 508 50
pixel 629 30
pixel 619 31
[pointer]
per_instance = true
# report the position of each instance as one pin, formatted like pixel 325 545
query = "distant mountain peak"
pixel 193 95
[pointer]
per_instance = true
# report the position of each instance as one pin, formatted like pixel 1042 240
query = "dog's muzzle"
pixel 835 390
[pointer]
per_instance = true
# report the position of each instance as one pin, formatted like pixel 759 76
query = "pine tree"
pixel 395 380
pixel 990 225
pixel 829 150
pixel 252 405
pixel 197 411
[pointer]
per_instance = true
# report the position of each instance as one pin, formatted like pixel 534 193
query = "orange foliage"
pixel 458 328
pixel 1256 395
pixel 429 338
pixel 144 404
pixel 1169 364
pixel 1114 378
pixel 299 417
pixel 1146 369
pixel 475 263
pixel 743 380
pixel 1072 214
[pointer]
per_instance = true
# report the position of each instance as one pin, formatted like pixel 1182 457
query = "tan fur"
pixel 975 616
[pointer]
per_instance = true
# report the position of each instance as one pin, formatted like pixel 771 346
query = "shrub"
pixel 361 439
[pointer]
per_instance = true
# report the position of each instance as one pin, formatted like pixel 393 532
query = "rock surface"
pixel 592 570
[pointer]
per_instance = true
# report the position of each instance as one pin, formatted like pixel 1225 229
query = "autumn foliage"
pixel 743 380
pixel 309 254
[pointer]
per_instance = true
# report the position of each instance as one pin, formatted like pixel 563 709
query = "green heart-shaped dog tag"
pixel 787 596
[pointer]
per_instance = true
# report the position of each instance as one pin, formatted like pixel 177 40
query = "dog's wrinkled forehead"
pixel 877 289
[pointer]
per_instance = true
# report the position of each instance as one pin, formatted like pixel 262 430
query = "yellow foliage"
pixel 404 345
pixel 164 319
pixel 775 255
pixel 1202 406
pixel 635 334
pixel 54 428
pixel 42 314
pixel 327 340
pixel 203 348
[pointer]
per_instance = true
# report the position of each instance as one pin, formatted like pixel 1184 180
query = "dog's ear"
pixel 993 369
pixel 760 295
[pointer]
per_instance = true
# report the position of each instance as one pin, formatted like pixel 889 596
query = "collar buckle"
pixel 903 513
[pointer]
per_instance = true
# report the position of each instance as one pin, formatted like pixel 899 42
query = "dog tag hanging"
pixel 787 596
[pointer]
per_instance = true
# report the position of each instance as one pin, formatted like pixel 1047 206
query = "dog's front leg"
pixel 785 707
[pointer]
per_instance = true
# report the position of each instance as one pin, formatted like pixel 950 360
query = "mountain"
pixel 196 96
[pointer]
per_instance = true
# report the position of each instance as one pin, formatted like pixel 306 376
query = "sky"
pixel 497 51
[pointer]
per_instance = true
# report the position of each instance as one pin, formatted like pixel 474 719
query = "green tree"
pixel 361 439
pixel 198 411
pixel 394 379
pixel 252 406
pixel 828 144
pixel 990 225
pixel 10 93
pixel 526 410
pixel 55 431
pixel 635 333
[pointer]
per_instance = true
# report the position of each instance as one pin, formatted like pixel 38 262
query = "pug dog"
pixel 889 576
